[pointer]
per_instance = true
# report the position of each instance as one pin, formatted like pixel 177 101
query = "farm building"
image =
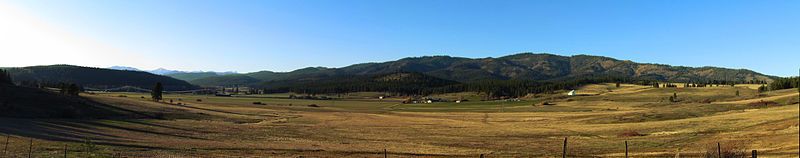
pixel 571 92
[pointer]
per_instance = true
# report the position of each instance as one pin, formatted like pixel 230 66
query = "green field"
pixel 597 123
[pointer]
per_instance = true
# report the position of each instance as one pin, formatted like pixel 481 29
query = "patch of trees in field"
pixel 784 83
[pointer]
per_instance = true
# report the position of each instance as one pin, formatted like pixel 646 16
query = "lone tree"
pixel 157 90
pixel 73 90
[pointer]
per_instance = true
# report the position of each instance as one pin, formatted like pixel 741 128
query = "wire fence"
pixel 18 147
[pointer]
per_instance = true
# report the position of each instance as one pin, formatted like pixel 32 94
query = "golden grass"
pixel 234 127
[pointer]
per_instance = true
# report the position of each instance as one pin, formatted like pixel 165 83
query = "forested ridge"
pixel 92 77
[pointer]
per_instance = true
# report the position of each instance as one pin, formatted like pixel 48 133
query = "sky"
pixel 284 35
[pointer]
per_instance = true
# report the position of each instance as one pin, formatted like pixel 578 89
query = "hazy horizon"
pixel 285 35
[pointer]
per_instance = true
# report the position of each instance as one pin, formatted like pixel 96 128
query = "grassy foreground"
pixel 597 124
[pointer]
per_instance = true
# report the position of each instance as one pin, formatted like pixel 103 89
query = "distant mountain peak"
pixel 164 71
pixel 124 68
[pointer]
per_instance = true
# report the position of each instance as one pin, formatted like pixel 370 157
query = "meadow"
pixel 597 123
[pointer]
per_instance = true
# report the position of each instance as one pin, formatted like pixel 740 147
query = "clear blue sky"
pixel 246 36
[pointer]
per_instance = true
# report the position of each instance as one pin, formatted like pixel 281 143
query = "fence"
pixel 84 150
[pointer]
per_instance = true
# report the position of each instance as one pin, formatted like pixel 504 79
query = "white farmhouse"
pixel 571 92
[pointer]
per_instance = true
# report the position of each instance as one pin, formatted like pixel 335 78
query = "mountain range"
pixel 520 67
pixel 162 71
pixel 523 66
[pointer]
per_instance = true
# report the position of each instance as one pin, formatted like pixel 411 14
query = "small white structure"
pixel 458 101
pixel 571 92
pixel 381 97
pixel 429 101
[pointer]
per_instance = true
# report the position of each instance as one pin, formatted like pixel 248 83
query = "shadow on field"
pixel 82 130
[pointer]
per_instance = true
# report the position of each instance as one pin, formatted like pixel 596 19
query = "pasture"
pixel 597 123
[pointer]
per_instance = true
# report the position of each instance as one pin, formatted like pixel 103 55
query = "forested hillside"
pixel 525 66
pixel 93 77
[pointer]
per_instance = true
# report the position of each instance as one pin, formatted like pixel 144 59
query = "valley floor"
pixel 596 124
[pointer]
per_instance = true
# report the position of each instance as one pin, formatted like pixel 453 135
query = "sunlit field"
pixel 597 123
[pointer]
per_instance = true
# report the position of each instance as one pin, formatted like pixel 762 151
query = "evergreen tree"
pixel 73 90
pixel 157 91
pixel 737 93
pixel 5 77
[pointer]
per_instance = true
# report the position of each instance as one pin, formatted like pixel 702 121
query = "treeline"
pixel 784 83
pixel 5 77
pixel 416 84
pixel 405 83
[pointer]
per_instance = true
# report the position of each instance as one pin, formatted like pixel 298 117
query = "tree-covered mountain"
pixel 524 66
pixel 226 80
pixel 94 77
pixel 190 76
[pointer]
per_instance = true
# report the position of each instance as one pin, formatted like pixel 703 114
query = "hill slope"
pixel 24 102
pixel 524 66
pixel 95 77
pixel 189 76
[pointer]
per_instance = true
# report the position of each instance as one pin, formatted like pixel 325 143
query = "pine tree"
pixel 73 90
pixel 5 77
pixel 157 91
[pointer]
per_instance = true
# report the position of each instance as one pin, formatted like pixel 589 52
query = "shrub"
pixel 763 103
pixel 727 150
pixel 258 103
pixel 630 133
pixel 313 105
pixel 199 100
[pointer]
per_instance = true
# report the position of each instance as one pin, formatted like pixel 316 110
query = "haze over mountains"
pixel 524 66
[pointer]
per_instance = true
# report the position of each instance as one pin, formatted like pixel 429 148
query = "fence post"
pixel 755 154
pixel 564 150
pixel 481 155
pixel 30 148
pixel 719 150
pixel 5 148
pixel 626 149
pixel 65 150
pixel 384 154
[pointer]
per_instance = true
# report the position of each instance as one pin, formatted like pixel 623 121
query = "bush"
pixel 763 103
pixel 630 133
pixel 258 103
pixel 199 100
pixel 313 105
pixel 727 150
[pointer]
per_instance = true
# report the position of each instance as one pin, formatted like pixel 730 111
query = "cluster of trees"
pixel 399 83
pixel 69 89
pixel 5 77
pixel 784 83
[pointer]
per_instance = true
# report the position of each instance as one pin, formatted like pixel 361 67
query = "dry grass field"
pixel 597 123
